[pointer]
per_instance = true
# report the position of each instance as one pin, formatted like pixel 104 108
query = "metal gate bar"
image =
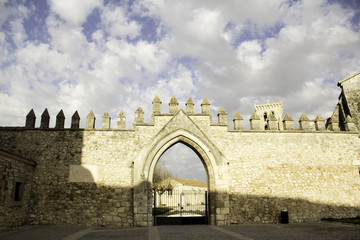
pixel 180 207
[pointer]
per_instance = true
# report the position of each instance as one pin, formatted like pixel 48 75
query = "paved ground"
pixel 318 231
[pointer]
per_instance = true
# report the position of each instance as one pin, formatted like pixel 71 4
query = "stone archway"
pixel 192 142
pixel 142 193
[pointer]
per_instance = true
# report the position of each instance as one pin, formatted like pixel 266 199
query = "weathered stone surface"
pixel 60 120
pixel 350 124
pixel 83 173
pixel 205 106
pixel 238 122
pixel 156 105
pixel 349 100
pixel 190 106
pixel 263 110
pixel 333 122
pixel 301 186
pixel 222 117
pixel 45 119
pixel 173 105
pixel 75 120
pixel 30 119
pixel 90 120
pixel 304 123
pixel 121 120
pixel 15 169
pixel 272 122
pixel 288 122
pixel 98 177
pixel 139 116
pixel 255 123
pixel 106 120
pixel 319 123
pixel 257 173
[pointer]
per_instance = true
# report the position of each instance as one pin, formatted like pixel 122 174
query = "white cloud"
pixel 233 53
pixel 152 57
pixel 117 24
pixel 249 52
pixel 181 83
pixel 231 32
pixel 70 41
pixel 74 12
pixel 299 53
pixel 312 93
pixel 4 52
pixel 13 15
pixel 183 162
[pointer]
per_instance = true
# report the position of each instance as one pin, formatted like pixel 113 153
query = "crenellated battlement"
pixel 313 167
pixel 267 117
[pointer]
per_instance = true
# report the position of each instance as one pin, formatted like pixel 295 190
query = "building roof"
pixel 190 182
pixel 345 79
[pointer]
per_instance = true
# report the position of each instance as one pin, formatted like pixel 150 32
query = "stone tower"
pixel 264 110
pixel 347 111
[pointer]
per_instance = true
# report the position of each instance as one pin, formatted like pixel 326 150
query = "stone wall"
pixel 263 110
pixel 15 189
pixel 103 177
pixel 257 173
pixel 349 100
pixel 55 199
pixel 310 175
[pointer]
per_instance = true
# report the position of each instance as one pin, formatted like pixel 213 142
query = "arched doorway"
pixel 180 189
pixel 180 161
pixel 143 199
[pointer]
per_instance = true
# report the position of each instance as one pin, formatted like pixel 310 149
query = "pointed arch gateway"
pixel 203 152
pixel 182 136
pixel 181 128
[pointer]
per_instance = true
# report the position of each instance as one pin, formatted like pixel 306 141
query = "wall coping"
pixel 20 129
pixel 17 158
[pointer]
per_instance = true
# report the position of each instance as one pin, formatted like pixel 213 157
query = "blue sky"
pixel 118 55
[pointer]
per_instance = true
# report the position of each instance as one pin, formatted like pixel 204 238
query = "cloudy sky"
pixel 181 161
pixel 105 55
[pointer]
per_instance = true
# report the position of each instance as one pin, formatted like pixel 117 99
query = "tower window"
pixel 18 191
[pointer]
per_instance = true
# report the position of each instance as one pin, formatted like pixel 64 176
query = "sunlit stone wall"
pixel 86 177
pixel 312 176
pixel 103 176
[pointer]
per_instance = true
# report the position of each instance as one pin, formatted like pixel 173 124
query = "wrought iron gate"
pixel 174 207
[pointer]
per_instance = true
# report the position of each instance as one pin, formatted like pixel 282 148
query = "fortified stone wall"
pixel 103 177
pixel 58 199
pixel 349 101
pixel 15 189
pixel 268 110
pixel 310 175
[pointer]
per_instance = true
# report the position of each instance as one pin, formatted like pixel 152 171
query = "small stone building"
pixel 349 102
pixel 103 176
pixel 182 184
pixel 16 174
pixel 193 192
pixel 270 111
